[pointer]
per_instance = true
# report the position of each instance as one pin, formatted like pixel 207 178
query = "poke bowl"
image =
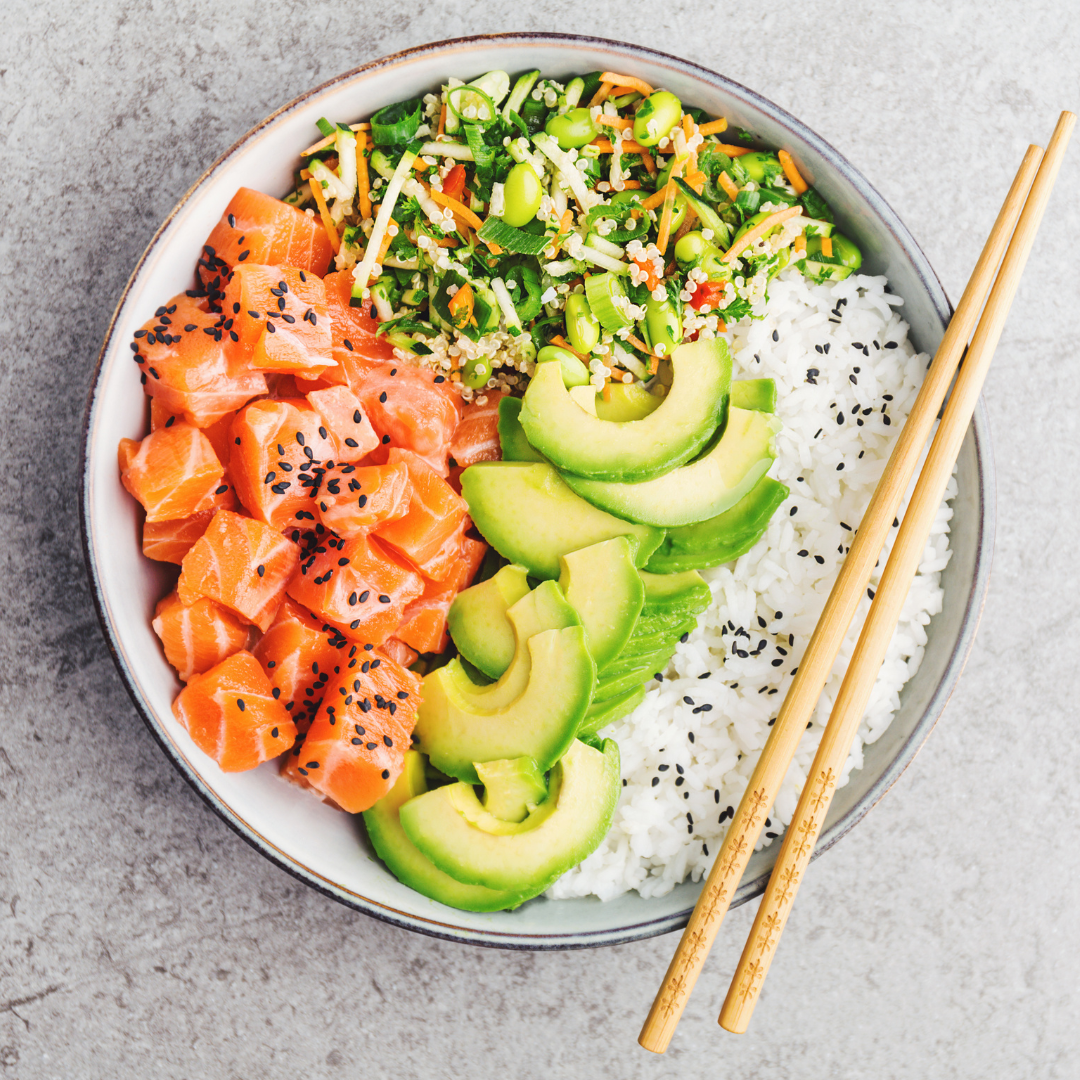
pixel 330 849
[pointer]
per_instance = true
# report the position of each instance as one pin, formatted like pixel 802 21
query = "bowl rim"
pixel 748 889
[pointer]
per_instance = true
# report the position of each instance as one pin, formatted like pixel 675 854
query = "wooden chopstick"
pixel 817 662
pixel 907 552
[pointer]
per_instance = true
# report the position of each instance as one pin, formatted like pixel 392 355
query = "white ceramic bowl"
pixel 327 848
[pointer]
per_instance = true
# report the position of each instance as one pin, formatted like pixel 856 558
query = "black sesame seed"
pixel 655 781
pixel 240 704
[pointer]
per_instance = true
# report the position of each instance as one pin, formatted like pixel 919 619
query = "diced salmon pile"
pixel 303 479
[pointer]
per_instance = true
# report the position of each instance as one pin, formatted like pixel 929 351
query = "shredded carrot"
pixel 607 390
pixel 731 189
pixel 792 172
pixel 628 81
pixel 826 246
pixel 647 161
pixel 631 185
pixel 363 181
pixel 461 307
pixel 622 123
pixel 759 230
pixel 638 344
pixel 322 144
pixel 459 208
pixel 602 94
pixel 696 180
pixel 734 151
pixel 713 127
pixel 688 125
pixel 442 121
pixel 324 213
pixel 558 339
pixel 799 247
pixel 446 242
pixel 669 206
pixel 387 240
pixel 721 326
pixel 605 146
pixel 655 199
pixel 622 91
pixel 653 365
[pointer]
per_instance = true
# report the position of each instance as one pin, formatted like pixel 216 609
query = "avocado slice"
pixel 759 394
pixel 633 450
pixel 626 401
pixel 515 447
pixel 684 594
pixel 528 514
pixel 722 538
pixel 706 487
pixel 453 829
pixel 644 644
pixel 513 787
pixel 478 624
pixel 456 730
pixel 602 713
pixel 543 608
pixel 410 866
pixel 613 684
pixel 604 588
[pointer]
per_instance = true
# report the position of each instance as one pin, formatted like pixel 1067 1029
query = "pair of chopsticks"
pixel 1019 218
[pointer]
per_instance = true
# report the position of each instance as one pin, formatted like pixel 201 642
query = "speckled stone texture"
pixel 140 938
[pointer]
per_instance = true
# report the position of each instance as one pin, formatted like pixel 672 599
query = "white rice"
pixel 665 833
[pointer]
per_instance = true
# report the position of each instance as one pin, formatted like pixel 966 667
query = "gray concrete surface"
pixel 140 938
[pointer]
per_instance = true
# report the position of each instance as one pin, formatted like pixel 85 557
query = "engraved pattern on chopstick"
pixel 715 899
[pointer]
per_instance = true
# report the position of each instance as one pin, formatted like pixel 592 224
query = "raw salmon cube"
pixel 241 563
pixel 182 344
pixel 210 402
pixel 231 714
pixel 343 416
pixel 170 541
pixel 276 317
pixel 399 652
pixel 279 449
pixel 258 228
pixel 355 748
pixel 173 472
pixel 196 638
pixel 299 654
pixel 409 409
pixel 357 585
pixel 476 438
pixel 356 498
pixel 357 347
pixel 424 623
pixel 436 513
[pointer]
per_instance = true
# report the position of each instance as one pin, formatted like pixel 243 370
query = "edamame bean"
pixel 656 117
pixel 572 129
pixel 694 250
pixel 760 166
pixel 663 326
pixel 582 326
pixel 476 372
pixel 574 372
pixel 522 193
pixel 846 251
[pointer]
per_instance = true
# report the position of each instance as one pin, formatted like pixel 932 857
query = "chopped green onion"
pixel 325 126
pixel 396 124
pixel 471 92
pixel 456 150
